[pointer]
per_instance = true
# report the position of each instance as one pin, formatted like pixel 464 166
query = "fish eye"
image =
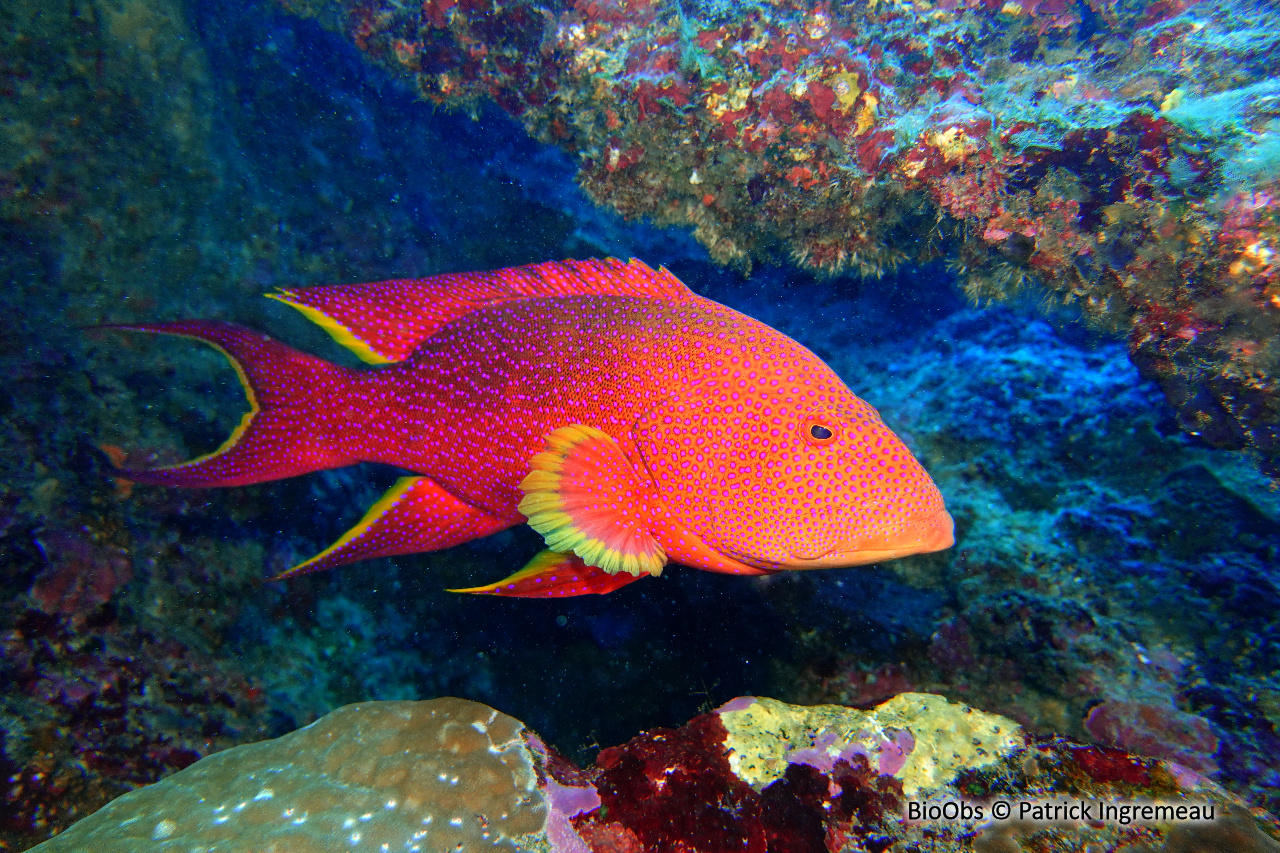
pixel 819 432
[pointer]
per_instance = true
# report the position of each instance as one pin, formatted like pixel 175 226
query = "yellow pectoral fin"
pixel 584 496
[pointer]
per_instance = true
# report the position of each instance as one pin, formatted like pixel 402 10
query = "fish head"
pixel 782 481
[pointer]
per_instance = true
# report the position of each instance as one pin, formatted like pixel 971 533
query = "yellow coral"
pixel 847 89
pixel 731 101
pixel 1172 100
pixel 954 143
pixel 866 115
pixel 948 737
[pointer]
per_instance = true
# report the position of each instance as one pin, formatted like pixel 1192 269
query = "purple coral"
pixel 81 574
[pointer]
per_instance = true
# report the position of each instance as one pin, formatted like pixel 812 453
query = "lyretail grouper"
pixel 628 420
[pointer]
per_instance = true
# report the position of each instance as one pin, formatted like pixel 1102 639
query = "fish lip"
pixel 763 563
pixel 933 532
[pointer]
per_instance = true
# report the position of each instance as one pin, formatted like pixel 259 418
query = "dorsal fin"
pixel 385 321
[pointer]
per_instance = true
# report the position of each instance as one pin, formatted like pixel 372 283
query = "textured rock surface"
pixel 1101 557
pixel 1121 156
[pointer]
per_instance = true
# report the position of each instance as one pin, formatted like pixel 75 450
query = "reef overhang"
pixel 1122 157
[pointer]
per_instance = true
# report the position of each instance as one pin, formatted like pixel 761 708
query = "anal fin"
pixel 554 575
pixel 414 515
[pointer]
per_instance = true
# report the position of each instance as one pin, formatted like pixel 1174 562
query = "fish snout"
pixel 925 535
pixel 922 535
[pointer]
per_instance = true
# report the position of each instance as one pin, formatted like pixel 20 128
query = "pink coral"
pixel 1155 730
pixel 81 575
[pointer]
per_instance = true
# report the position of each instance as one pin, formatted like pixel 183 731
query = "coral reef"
pixel 1119 157
pixel 130 186
pixel 163 159
pixel 93 711
pixel 755 775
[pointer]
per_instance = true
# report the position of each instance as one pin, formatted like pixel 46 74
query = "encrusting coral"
pixel 762 737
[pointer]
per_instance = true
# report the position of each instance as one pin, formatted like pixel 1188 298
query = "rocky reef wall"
pixel 1118 156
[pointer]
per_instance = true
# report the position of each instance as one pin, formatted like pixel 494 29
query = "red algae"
pixel 1156 730
pixel 1106 765
pixel 675 786
pixel 675 789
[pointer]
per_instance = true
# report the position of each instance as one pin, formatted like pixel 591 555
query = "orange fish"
pixel 628 420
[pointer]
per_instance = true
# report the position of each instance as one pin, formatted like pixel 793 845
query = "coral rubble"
pixel 756 775
pixel 1123 157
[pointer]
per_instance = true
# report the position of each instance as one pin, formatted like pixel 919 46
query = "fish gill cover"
pixel 1113 579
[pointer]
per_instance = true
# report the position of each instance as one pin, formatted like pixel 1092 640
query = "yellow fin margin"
pixel 239 431
pixel 541 561
pixel 384 503
pixel 336 330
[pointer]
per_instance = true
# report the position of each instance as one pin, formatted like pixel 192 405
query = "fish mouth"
pixel 923 535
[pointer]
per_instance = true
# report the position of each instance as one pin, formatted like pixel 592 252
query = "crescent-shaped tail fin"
pixel 295 411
